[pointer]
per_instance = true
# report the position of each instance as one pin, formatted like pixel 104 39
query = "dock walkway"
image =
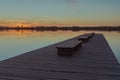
pixel 93 61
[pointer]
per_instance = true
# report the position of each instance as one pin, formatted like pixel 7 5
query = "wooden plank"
pixel 85 37
pixel 68 48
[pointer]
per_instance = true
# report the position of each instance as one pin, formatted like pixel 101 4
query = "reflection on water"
pixel 13 43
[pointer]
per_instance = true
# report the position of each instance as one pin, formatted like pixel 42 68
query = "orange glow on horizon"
pixel 53 23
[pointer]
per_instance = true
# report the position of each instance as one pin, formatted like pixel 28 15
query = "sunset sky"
pixel 59 12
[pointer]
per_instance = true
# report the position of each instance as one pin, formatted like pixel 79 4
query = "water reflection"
pixel 16 42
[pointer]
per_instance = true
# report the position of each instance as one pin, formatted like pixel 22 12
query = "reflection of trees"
pixel 55 28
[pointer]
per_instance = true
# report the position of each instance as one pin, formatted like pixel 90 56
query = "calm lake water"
pixel 13 43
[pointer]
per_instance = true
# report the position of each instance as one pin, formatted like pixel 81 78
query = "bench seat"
pixel 83 38
pixel 68 48
pixel 86 37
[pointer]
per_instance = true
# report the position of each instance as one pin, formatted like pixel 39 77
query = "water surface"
pixel 13 43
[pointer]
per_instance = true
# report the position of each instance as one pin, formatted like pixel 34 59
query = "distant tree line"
pixel 55 28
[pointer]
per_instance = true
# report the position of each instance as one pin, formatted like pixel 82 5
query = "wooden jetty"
pixel 93 61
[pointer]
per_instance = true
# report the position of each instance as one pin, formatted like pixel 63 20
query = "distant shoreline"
pixel 55 28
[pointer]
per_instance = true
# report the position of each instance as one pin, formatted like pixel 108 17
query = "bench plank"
pixel 68 48
pixel 86 37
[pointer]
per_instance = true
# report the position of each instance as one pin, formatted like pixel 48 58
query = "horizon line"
pixel 57 26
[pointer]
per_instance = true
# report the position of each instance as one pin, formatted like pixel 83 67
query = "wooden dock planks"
pixel 93 61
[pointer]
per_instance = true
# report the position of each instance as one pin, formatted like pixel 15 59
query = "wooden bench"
pixel 90 35
pixel 68 48
pixel 86 37
pixel 83 38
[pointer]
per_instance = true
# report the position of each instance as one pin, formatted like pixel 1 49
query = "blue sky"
pixel 59 12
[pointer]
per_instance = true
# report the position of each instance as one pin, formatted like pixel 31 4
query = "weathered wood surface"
pixel 69 48
pixel 85 37
pixel 70 44
pixel 93 61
